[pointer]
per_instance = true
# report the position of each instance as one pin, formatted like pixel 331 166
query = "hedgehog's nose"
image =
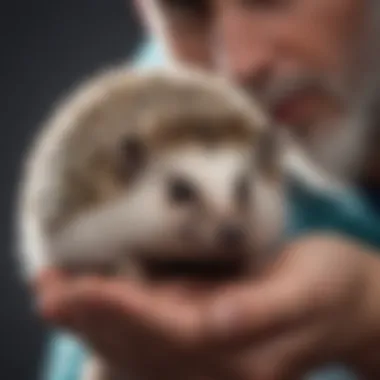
pixel 230 235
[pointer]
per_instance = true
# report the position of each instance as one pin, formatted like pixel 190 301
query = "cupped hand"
pixel 320 302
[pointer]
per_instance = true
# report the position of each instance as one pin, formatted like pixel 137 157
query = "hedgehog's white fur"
pixel 41 180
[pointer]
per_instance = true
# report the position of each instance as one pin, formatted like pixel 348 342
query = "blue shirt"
pixel 354 213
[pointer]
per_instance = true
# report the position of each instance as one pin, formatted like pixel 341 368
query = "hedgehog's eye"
pixel 242 190
pixel 181 190
pixel 132 149
pixel 132 155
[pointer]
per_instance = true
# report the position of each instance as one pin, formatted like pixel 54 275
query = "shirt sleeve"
pixel 65 358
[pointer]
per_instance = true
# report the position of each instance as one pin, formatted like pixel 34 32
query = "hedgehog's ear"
pixel 134 155
pixel 269 152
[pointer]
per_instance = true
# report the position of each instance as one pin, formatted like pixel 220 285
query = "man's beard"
pixel 340 148
pixel 337 142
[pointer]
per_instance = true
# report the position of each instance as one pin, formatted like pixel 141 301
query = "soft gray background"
pixel 46 47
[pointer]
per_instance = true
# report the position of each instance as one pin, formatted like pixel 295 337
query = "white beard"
pixel 341 150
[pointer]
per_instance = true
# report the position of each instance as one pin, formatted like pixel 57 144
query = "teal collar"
pixel 348 212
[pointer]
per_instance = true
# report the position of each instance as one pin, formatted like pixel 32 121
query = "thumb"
pixel 257 308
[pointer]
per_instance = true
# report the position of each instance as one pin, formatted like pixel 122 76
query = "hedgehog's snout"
pixel 231 235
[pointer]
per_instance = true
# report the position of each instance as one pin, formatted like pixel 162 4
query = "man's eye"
pixel 262 4
pixel 196 7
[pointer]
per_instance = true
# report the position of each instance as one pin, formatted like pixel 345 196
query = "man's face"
pixel 301 58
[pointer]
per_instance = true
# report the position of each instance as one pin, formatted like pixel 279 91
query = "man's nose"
pixel 247 58
pixel 250 67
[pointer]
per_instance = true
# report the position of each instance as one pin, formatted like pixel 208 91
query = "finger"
pixel 289 293
pixel 243 313
pixel 254 309
pixel 48 285
pixel 59 303
pixel 127 345
pixel 160 310
pixel 288 356
pixel 112 338
pixel 79 308
pixel 167 311
pixel 47 276
pixel 47 280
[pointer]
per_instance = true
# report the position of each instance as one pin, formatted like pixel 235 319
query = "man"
pixel 312 64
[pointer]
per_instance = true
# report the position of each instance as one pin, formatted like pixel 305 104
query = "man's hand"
pixel 319 303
